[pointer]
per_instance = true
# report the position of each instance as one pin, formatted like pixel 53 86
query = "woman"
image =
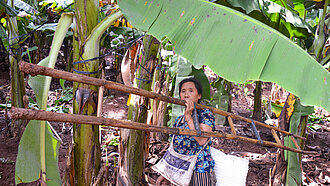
pixel 191 91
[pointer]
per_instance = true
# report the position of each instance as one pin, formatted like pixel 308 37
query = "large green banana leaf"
pixel 38 148
pixel 235 46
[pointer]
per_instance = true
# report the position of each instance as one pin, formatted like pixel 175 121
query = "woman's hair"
pixel 198 85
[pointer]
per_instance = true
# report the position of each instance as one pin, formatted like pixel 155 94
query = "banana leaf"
pixel 233 45
pixel 28 162
pixel 39 143
pixel 284 19
pixel 220 99
pixel 293 174
pixel 298 6
pixel 24 6
pixel 4 37
pixel 5 8
pixel 290 23
pixel 248 6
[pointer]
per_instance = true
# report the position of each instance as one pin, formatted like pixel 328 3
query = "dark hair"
pixel 198 85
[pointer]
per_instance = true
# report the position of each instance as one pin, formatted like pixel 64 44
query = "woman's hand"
pixel 159 180
pixel 189 109
pixel 190 122
pixel 162 181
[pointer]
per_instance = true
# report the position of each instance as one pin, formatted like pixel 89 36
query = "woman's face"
pixel 189 91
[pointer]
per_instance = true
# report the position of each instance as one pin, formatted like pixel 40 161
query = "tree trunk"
pixel 279 169
pixel 85 137
pixel 133 142
pixel 17 78
pixel 162 118
pixel 257 112
pixel 288 167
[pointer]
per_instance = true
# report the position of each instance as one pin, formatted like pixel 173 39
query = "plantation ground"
pixel 316 168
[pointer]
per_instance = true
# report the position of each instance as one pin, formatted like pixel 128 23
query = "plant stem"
pixel 42 151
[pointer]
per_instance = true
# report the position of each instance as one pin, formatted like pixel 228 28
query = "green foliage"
pixel 28 162
pixel 313 118
pixel 38 144
pixel 294 175
pixel 25 7
pixel 3 35
pixel 115 37
pixel 56 4
pixel 28 50
pixel 233 45
pixel 200 75
pixel 314 127
pixel 114 142
pixel 66 95
pixel 220 99
pixel 7 9
pixel 284 19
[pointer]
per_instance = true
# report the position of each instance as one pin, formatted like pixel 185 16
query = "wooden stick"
pixel 295 142
pixel 232 128
pixel 276 137
pixel 34 70
pixel 29 114
pixel 270 177
pixel 100 97
pixel 99 105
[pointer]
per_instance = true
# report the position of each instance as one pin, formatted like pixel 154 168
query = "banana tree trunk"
pixel 257 112
pixel 17 78
pixel 162 118
pixel 298 122
pixel 85 137
pixel 132 145
pixel 293 118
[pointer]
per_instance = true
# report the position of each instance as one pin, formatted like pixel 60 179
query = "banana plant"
pixel 233 45
pixel 38 149
pixel 297 126
pixel 87 34
pixel 297 10
pixel 238 47
pixel 133 142
pixel 10 41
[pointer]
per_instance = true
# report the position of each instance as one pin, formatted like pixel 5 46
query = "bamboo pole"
pixel 232 127
pixel 34 70
pixel 29 114
pixel 277 139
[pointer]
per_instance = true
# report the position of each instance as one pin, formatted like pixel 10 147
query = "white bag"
pixel 229 170
pixel 177 168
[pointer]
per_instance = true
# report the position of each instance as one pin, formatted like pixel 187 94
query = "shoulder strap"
pixel 207 142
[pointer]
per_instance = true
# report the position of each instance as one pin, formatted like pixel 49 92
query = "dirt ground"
pixel 316 169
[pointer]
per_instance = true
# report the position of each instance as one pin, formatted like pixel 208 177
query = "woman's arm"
pixel 189 120
pixel 203 127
